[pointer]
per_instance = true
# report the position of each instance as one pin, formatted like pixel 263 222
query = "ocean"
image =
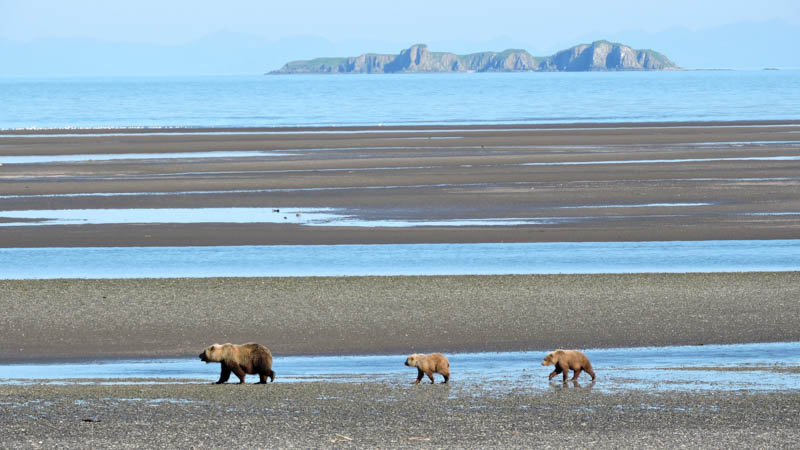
pixel 402 99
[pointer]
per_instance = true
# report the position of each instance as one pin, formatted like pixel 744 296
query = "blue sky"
pixel 180 21
pixel 541 27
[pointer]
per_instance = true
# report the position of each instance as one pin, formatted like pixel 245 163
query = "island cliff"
pixel 597 56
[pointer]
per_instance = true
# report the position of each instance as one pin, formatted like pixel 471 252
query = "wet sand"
pixel 612 182
pixel 369 415
pixel 52 319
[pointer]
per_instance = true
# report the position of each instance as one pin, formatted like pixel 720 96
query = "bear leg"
pixel 576 373
pixel 224 375
pixel 419 376
pixel 239 373
pixel 556 371
pixel 564 372
pixel 430 375
pixel 263 375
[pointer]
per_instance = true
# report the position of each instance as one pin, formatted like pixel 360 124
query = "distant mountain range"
pixel 746 45
pixel 597 56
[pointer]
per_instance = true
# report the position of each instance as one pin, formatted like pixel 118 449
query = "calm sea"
pixel 480 98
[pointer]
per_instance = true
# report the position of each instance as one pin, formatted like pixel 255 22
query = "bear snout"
pixel 203 357
pixel 406 363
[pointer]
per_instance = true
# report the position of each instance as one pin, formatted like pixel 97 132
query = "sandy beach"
pixel 578 182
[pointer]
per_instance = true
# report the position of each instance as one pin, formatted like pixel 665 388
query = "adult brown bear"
pixel 566 360
pixel 242 359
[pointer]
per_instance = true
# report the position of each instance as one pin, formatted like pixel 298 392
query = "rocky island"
pixel 597 56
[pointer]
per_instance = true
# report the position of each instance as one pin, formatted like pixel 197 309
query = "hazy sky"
pixel 529 21
pixel 189 37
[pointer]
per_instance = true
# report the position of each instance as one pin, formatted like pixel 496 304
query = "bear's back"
pixel 438 361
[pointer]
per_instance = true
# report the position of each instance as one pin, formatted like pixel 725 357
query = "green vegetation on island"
pixel 597 56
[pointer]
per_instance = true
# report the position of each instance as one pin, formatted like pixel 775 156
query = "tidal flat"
pixel 177 317
pixel 392 185
pixel 605 183
pixel 369 415
pixel 84 320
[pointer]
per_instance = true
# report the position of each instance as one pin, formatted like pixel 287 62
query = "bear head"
pixel 213 353
pixel 412 360
pixel 552 358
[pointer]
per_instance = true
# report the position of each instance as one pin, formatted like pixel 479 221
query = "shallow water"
pixel 300 216
pixel 304 216
pixel 401 259
pixel 755 367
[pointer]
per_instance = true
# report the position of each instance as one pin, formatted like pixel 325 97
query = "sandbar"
pixel 147 318
pixel 575 182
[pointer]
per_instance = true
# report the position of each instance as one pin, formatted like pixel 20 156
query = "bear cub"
pixel 566 360
pixel 429 364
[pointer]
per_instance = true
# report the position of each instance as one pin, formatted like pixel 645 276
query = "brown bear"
pixel 429 364
pixel 566 360
pixel 243 359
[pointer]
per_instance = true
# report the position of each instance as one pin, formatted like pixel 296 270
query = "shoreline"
pixel 390 128
pixel 377 128
pixel 278 130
